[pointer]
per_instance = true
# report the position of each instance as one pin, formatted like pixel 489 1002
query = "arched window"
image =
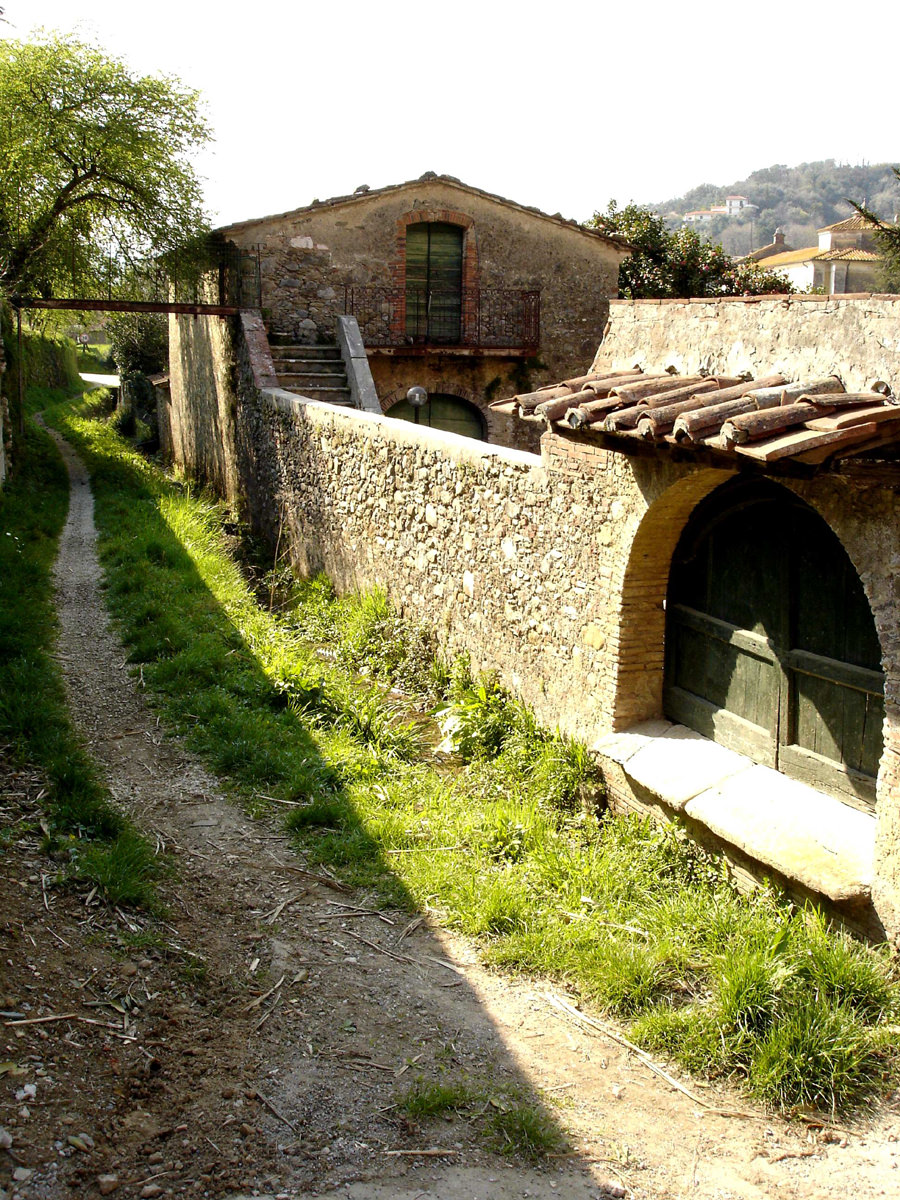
pixel 434 282
pixel 771 646
pixel 451 413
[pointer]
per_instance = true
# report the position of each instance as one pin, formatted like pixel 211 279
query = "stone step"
pixel 325 365
pixel 326 375
pixel 323 351
pixel 320 391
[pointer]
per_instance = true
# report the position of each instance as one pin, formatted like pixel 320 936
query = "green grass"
pixel 511 1125
pixel 506 844
pixel 525 1130
pixel 424 1100
pixel 35 726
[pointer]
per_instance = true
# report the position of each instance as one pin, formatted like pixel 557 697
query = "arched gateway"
pixel 771 646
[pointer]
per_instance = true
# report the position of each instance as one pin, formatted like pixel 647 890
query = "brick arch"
pixel 448 387
pixel 447 216
pixel 639 655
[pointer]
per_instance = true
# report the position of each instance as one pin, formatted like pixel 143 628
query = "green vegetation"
pixel 83 826
pixel 289 699
pixel 49 363
pixel 887 237
pixel 679 264
pixel 94 166
pixel 511 1125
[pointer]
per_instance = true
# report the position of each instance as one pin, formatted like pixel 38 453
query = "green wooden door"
pixel 443 412
pixel 771 647
pixel 434 256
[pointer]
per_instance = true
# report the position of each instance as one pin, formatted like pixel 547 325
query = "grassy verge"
pixel 83 827
pixel 631 916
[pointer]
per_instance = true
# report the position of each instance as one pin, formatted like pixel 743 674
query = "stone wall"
pixel 854 337
pixel 550 569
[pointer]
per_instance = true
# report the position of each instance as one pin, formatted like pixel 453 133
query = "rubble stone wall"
pixel 854 337
pixel 550 569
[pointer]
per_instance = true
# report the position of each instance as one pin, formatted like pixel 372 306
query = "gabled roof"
pixel 789 258
pixel 848 224
pixel 850 254
pixel 768 252
pixel 361 195
pixel 767 420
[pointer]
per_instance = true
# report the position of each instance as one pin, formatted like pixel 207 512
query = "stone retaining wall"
pixel 550 569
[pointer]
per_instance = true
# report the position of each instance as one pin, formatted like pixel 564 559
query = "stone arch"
pixel 638 658
pixel 449 387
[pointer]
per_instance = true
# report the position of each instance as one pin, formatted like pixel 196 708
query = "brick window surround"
pixel 419 216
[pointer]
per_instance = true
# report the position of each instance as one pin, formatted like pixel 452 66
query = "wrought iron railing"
pixel 486 318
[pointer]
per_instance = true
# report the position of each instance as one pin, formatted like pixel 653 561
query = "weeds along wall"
pixel 48 362
pixel 514 559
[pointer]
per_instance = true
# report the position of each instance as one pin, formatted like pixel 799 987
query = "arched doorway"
pixel 771 647
pixel 443 411
pixel 434 280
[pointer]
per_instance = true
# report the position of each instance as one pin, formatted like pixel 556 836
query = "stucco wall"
pixel 857 338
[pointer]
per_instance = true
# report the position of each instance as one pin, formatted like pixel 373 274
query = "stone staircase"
pixel 317 372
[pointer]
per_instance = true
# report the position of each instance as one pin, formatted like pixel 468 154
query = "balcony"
pixel 492 319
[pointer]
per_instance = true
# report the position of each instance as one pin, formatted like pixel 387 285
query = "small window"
pixel 771 647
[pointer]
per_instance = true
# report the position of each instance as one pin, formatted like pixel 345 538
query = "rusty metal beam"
pixel 138 306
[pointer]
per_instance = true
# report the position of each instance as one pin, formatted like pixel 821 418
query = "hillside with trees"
pixel 799 199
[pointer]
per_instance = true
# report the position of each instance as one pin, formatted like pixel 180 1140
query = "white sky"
pixel 561 105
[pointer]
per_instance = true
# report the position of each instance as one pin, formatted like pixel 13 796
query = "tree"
pixel 679 264
pixel 95 169
pixel 887 238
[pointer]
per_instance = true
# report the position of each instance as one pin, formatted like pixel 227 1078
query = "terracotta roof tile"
pixel 848 224
pixel 850 254
pixel 787 257
pixel 768 419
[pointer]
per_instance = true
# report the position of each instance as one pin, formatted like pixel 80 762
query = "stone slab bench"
pixel 805 836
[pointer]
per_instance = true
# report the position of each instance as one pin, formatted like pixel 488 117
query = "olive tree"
pixel 95 165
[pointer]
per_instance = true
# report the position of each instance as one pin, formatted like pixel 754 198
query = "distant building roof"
pixel 848 224
pixel 767 252
pixel 850 254
pixel 790 257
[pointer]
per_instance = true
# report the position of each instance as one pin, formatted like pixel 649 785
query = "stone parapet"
pixel 854 337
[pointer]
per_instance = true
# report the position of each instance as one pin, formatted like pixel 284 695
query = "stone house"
pixel 455 290
pixel 846 259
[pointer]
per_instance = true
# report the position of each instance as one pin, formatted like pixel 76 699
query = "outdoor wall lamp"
pixel 418 398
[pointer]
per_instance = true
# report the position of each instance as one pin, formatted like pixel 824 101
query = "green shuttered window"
pixel 434 271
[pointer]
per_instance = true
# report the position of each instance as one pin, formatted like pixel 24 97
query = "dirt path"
pixel 258 1046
